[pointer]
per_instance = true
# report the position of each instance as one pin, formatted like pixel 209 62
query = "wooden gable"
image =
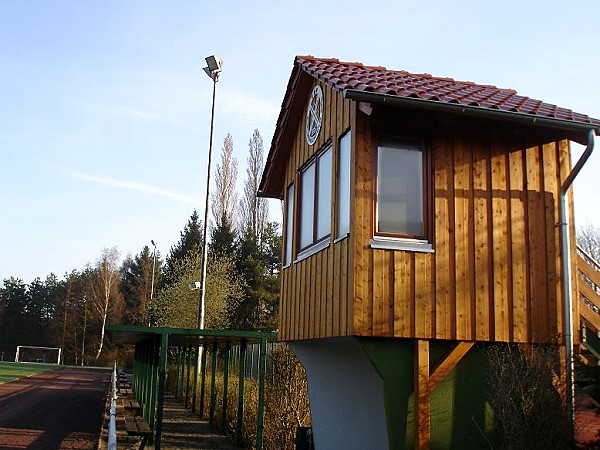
pixel 494 270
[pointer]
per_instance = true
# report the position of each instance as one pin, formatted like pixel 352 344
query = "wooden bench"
pixel 130 407
pixel 137 426
pixel 126 391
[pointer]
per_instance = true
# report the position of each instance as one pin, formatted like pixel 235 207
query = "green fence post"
pixel 242 379
pixel 162 366
pixel 187 377
pixel 195 381
pixel 182 373
pixel 177 364
pixel 154 359
pixel 261 393
pixel 225 383
pixel 203 384
pixel 213 381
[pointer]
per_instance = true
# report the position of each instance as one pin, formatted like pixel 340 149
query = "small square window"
pixel 402 190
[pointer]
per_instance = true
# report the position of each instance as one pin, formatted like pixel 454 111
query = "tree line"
pixel 242 283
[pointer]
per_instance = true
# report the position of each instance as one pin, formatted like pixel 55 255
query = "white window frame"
pixel 343 185
pixel 403 241
pixel 317 242
pixel 289 226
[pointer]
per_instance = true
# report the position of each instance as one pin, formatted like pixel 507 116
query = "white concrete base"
pixel 346 395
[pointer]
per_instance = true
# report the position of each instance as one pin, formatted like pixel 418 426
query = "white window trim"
pixel 343 218
pixel 315 248
pixel 412 245
pixel 289 225
pixel 315 161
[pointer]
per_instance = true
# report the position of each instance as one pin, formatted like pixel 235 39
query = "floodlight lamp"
pixel 214 63
pixel 152 240
pixel 213 69
pixel 194 285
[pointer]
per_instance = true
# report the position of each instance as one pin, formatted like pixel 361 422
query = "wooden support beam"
pixel 426 381
pixel 422 420
pixel 445 366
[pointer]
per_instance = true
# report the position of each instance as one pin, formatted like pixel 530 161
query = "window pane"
pixel 307 206
pixel 400 189
pixel 343 212
pixel 324 195
pixel 289 224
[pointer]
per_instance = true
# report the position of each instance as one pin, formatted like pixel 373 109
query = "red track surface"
pixel 54 410
pixel 587 421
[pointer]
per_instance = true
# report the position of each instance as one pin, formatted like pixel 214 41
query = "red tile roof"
pixel 378 84
pixel 350 76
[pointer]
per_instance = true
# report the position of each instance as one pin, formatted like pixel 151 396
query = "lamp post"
pixel 152 285
pixel 213 70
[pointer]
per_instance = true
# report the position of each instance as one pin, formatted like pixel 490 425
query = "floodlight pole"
pixel 152 285
pixel 213 72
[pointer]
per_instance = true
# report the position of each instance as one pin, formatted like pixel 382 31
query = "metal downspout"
pixel 566 278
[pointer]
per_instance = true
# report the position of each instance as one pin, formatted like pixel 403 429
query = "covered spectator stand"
pixel 151 359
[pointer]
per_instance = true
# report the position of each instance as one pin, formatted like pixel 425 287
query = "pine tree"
pixel 136 285
pixel 14 324
pixel 249 266
pixel 190 240
pixel 222 238
pixel 271 251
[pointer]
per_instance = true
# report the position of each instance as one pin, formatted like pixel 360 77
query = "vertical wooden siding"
pixel 315 291
pixel 495 272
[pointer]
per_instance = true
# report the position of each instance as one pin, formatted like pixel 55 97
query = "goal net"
pixel 42 355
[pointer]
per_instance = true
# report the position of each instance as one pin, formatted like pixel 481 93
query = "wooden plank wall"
pixel 495 272
pixel 315 291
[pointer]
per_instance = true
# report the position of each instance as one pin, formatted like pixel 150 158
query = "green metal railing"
pixel 151 362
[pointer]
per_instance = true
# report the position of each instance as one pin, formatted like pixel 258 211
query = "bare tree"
pixel 225 197
pixel 107 275
pixel 254 209
pixel 588 238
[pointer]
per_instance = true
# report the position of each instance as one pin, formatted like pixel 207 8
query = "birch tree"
pixel 107 276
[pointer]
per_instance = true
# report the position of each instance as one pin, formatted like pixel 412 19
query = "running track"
pixel 54 410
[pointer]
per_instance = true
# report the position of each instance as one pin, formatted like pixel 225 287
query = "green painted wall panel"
pixel 460 416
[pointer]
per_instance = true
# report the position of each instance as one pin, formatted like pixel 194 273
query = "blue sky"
pixel 105 109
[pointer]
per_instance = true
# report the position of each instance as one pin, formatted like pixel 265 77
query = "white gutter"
pixel 566 278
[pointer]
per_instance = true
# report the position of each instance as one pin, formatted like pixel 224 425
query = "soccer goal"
pixel 34 354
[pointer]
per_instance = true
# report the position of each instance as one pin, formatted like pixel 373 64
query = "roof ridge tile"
pixel 343 75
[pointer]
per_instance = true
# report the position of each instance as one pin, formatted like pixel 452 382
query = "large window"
pixel 289 224
pixel 315 200
pixel 401 189
pixel 343 199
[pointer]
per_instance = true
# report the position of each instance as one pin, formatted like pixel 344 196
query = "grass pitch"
pixel 13 371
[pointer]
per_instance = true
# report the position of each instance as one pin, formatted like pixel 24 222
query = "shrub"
pixel 286 401
pixel 527 401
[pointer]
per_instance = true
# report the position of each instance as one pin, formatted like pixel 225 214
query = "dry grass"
pixel 286 402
